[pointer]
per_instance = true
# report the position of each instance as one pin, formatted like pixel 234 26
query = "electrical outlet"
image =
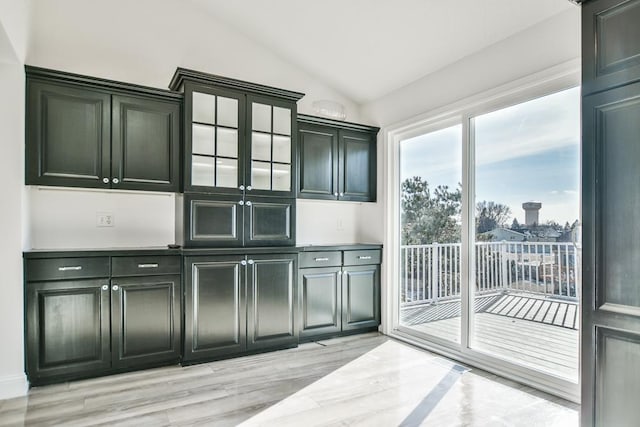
pixel 105 219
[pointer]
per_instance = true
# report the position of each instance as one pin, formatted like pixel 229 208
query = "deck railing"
pixel 431 273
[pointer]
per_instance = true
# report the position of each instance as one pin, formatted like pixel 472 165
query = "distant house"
pixel 503 234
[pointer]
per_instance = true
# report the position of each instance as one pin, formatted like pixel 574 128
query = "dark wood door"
pixel 68 136
pixel 320 301
pixel 318 164
pixel 269 221
pixel 360 297
pixel 215 307
pixel 145 320
pixel 213 220
pixel 145 144
pixel 357 180
pixel 610 366
pixel 68 329
pixel 271 301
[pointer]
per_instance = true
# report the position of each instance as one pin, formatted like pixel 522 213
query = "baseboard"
pixel 13 386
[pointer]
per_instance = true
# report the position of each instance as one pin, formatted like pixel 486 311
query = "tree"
pixel 515 225
pixel 429 216
pixel 491 215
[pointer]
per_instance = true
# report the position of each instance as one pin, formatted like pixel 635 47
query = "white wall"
pixel 12 40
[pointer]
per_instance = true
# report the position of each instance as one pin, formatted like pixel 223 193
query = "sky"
pixel 526 152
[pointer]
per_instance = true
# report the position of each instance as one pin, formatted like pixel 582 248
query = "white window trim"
pixel 555 79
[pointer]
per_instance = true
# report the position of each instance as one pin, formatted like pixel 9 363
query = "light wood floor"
pixel 366 380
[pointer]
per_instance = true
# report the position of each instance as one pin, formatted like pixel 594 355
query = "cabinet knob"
pixel 105 287
pixel 241 202
pixel 335 194
pixel 105 180
pixel 250 262
pixel 341 194
pixel 249 188
pixel 248 203
pixel 243 262
pixel 115 180
pixel 241 188
pixel 115 287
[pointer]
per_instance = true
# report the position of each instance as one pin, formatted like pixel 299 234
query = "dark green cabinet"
pixel 339 292
pixel 85 132
pixel 235 304
pixel 96 315
pixel 337 160
pixel 211 220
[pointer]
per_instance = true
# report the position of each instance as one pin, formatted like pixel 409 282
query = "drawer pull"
pixel 70 268
pixel 364 257
pixel 320 259
pixel 147 265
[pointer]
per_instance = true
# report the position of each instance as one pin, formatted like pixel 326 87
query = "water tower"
pixel 531 212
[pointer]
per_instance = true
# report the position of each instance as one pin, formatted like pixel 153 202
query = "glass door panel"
pixel 430 234
pixel 526 250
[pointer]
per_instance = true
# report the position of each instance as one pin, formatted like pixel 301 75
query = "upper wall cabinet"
pixel 337 160
pixel 239 136
pixel 87 132
pixel 610 44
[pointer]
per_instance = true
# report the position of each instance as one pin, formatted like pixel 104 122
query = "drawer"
pixel 66 268
pixel 362 257
pixel 144 265
pixel 320 259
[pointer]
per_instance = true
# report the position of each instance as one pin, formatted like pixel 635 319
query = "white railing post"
pixel 503 265
pixel 435 273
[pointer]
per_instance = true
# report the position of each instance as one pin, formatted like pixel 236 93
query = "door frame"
pixel 552 80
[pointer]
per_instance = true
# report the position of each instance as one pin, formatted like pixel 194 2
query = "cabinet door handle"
pixel 243 262
pixel 105 180
pixel 364 257
pixel 105 287
pixel 250 262
pixel 70 268
pixel 115 180
pixel 248 203
pixel 115 287
pixel 320 259
pixel 249 188
pixel 148 266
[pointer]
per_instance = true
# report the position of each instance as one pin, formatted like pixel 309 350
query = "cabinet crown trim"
pixel 183 74
pixel 100 83
pixel 315 120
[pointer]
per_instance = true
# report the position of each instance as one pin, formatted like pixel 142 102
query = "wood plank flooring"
pixel 366 380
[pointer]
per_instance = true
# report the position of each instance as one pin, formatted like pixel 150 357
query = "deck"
pixel 538 332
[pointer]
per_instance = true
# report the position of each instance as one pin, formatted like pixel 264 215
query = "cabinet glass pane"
pixel 227 173
pixel 204 140
pixel 282 120
pixel 281 177
pixel 260 146
pixel 227 142
pixel 202 170
pixel 261 175
pixel 204 108
pixel 261 117
pixel 227 112
pixel 281 149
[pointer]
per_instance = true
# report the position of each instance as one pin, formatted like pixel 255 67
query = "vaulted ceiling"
pixel 368 48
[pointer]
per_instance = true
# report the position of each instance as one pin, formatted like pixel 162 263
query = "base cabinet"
pixel 235 304
pixel 339 292
pixel 81 326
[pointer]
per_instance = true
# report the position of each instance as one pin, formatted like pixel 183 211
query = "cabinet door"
pixel 360 297
pixel 271 301
pixel 214 140
pixel 320 301
pixel 68 136
pixel 67 329
pixel 145 144
pixel 269 221
pixel 318 153
pixel 271 127
pixel 213 220
pixel 145 320
pixel 215 307
pixel 357 177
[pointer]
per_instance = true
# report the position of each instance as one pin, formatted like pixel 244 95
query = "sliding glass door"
pixel 520 189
